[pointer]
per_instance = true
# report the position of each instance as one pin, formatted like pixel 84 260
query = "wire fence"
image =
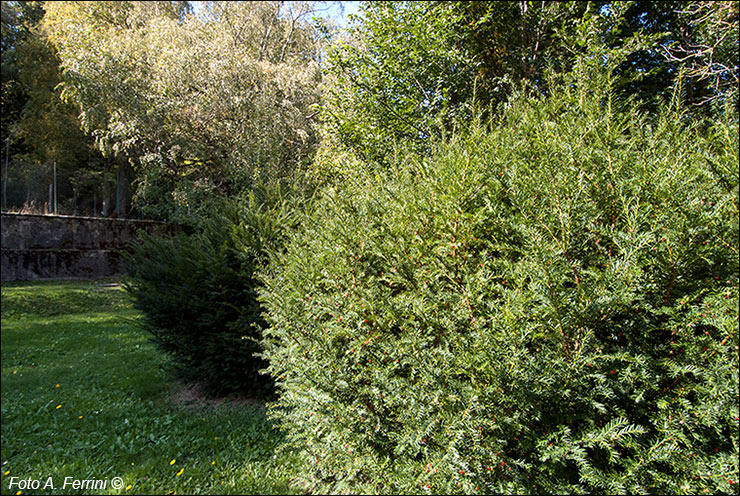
pixel 30 187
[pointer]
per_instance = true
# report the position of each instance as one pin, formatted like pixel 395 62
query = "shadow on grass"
pixel 87 395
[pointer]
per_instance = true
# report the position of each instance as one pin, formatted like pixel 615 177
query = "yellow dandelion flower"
pixel 180 472
pixel 57 385
pixel 172 462
pixel 79 417
pixel 59 406
pixel 212 463
pixel 7 472
pixel 128 487
pixel 19 492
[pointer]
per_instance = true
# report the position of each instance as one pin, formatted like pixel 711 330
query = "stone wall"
pixel 65 247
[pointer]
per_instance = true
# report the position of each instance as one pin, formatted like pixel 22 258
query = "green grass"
pixel 86 395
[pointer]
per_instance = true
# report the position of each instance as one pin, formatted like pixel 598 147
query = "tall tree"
pixel 407 70
pixel 707 46
pixel 40 129
pixel 196 104
pixel 696 39
pixel 17 17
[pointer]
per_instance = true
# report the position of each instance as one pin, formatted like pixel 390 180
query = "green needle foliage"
pixel 198 295
pixel 546 306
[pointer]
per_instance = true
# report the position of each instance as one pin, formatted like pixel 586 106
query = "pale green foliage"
pixel 225 95
pixel 407 71
pixel 393 76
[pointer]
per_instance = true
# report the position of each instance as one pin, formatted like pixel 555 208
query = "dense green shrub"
pixel 549 306
pixel 198 295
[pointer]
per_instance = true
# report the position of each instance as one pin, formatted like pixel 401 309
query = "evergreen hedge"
pixel 547 306
pixel 198 294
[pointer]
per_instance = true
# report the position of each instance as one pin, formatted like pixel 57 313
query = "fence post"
pixel 5 179
pixel 55 189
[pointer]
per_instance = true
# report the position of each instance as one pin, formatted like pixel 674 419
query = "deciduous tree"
pixel 209 103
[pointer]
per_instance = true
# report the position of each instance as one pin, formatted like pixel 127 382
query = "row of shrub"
pixel 544 304
pixel 198 293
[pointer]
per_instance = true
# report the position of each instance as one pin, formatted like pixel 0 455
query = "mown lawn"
pixel 86 395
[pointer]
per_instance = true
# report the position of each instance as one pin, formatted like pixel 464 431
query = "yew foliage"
pixel 548 305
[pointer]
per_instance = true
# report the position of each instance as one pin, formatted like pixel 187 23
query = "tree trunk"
pixel 125 173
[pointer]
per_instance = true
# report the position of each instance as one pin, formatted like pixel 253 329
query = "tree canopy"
pixel 197 104
pixel 407 70
pixel 188 104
